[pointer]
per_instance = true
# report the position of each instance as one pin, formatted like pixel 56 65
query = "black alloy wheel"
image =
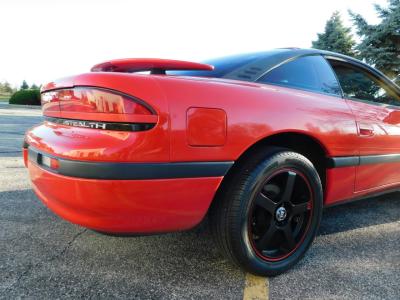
pixel 280 215
pixel 268 211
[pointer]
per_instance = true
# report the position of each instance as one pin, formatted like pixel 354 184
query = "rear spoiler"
pixel 154 65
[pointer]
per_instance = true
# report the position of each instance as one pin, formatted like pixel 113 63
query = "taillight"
pixel 95 104
pixel 92 101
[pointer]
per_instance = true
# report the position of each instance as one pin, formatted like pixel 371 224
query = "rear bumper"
pixel 140 198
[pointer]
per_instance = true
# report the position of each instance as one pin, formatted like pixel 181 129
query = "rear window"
pixel 225 66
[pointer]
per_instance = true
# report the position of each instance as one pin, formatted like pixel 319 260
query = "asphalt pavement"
pixel 356 255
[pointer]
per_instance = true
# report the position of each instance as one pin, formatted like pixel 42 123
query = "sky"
pixel 43 40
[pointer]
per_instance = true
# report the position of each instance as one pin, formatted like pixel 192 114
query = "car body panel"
pixel 253 114
pixel 379 134
pixel 126 205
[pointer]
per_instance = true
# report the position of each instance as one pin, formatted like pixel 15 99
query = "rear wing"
pixel 154 65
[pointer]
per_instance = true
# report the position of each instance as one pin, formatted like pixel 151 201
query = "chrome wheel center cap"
pixel 280 214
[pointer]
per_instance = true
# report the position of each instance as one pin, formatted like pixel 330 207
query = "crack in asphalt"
pixel 54 257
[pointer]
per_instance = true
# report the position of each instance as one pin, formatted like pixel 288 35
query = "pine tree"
pixel 24 85
pixel 336 38
pixel 380 44
pixel 34 87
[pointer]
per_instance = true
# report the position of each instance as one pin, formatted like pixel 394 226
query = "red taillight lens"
pixel 90 100
pixel 50 103
pixel 98 109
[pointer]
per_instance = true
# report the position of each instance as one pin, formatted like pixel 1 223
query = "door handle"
pixel 365 130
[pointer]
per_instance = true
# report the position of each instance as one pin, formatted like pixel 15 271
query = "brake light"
pixel 91 100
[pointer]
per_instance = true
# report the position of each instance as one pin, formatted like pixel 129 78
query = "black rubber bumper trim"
pixel 349 161
pixel 131 171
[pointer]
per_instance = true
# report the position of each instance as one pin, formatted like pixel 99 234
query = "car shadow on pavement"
pixel 362 213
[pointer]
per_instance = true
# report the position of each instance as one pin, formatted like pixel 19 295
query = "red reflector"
pixel 91 100
pixel 54 164
pixel 25 154
pixel 49 162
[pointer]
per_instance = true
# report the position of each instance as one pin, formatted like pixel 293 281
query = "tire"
pixel 257 222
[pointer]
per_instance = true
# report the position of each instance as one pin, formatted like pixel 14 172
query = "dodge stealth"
pixel 260 143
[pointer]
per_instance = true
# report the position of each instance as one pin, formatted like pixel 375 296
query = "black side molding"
pixel 131 171
pixel 379 159
pixel 345 161
pixel 349 161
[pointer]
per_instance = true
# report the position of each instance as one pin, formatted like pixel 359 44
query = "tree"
pixel 24 85
pixel 380 44
pixel 6 88
pixel 34 87
pixel 336 38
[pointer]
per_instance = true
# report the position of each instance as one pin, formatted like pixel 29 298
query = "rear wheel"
pixel 268 212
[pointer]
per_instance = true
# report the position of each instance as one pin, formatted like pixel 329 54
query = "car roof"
pixel 292 52
pixel 295 52
pixel 257 64
pixel 273 58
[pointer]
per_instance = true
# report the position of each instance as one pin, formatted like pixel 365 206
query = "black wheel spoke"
pixel 279 215
pixel 266 203
pixel 298 209
pixel 266 239
pixel 287 194
pixel 288 234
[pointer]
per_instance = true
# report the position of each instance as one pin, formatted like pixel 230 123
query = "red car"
pixel 259 142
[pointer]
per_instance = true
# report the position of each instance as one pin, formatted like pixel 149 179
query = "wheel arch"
pixel 300 142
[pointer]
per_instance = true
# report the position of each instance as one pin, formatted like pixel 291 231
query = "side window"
pixel 311 73
pixel 358 84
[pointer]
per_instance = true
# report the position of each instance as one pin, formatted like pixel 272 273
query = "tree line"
pixel 6 89
pixel 378 45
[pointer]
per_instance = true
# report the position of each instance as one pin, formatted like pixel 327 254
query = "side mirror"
pixel 393 118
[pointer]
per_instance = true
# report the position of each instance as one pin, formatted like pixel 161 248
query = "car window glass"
pixel 360 85
pixel 225 66
pixel 310 73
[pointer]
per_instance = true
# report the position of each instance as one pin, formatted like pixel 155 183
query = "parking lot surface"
pixel 356 255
